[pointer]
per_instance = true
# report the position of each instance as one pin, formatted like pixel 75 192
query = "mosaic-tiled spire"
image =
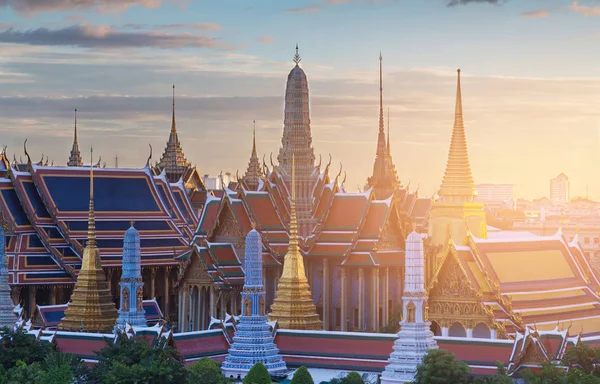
pixel 131 311
pixel 415 336
pixel 7 317
pixel 173 161
pixel 458 185
pixel 384 178
pixel 293 307
pixel 75 157
pixel 253 173
pixel 297 142
pixel 91 308
pixel 253 339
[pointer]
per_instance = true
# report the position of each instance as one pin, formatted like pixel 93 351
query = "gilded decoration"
pixel 453 300
pixel 125 300
pixel 247 307
pixel 228 224
pixel 140 296
pixel 410 309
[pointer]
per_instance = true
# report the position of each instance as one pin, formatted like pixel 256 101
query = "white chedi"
pixel 415 337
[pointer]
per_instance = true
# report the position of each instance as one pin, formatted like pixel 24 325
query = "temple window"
pixel 482 331
pixel 435 328
pixel 457 330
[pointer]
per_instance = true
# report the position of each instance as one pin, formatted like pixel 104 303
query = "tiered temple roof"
pixel 47 210
pixel 529 281
pixel 91 308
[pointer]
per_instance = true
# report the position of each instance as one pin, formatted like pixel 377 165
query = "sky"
pixel 530 83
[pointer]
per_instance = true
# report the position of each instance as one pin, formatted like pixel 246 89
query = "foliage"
pixel 353 378
pixel 302 376
pixel 258 374
pixel 439 367
pixel 584 357
pixel 59 364
pixel 134 360
pixel 19 346
pixel 206 371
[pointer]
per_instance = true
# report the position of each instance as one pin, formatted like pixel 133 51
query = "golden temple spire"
pixel 293 307
pixel 457 184
pixel 91 308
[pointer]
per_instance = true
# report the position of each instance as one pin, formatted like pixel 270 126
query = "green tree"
pixel 440 367
pixel 353 378
pixel 19 346
pixel 584 357
pixel 59 365
pixel 258 374
pixel 23 373
pixel 302 376
pixel 134 360
pixel 549 374
pixel 206 371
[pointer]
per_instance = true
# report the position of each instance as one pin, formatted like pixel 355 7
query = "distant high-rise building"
pixel 496 195
pixel 560 189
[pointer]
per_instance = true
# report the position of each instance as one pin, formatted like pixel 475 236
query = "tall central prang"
pixel 297 142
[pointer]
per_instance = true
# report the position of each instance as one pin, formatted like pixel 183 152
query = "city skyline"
pixel 524 123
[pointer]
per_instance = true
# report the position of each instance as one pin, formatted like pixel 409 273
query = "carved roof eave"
pixel 185 265
pixel 529 339
pixel 225 202
pixel 6 224
pixel 449 249
pixel 504 302
pixel 334 190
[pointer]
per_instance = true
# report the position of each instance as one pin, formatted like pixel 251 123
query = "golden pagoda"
pixel 456 212
pixel 91 308
pixel 293 307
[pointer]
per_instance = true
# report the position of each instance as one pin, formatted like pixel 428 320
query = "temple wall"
pixel 318 349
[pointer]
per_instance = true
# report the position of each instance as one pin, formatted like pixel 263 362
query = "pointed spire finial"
pixel 173 126
pixel 297 58
pixel 75 135
pixel 380 92
pixel 293 244
pixel 254 137
pixel 91 240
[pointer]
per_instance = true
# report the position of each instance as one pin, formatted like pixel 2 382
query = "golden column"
pixel 293 307
pixel 91 308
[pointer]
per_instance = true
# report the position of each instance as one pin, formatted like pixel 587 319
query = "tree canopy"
pixel 258 374
pixel 302 376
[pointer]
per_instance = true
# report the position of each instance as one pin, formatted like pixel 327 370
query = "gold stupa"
pixel 293 307
pixel 91 308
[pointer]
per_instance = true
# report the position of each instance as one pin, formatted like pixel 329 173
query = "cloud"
pixel 167 27
pixel 539 14
pixel 75 18
pixel 316 7
pixel 585 9
pixel 453 3
pixel 103 36
pixel 265 39
pixel 35 6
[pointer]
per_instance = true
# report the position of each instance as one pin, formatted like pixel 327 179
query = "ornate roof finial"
pixel 149 156
pixel 297 58
pixel 254 137
pixel 26 154
pixel 381 147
